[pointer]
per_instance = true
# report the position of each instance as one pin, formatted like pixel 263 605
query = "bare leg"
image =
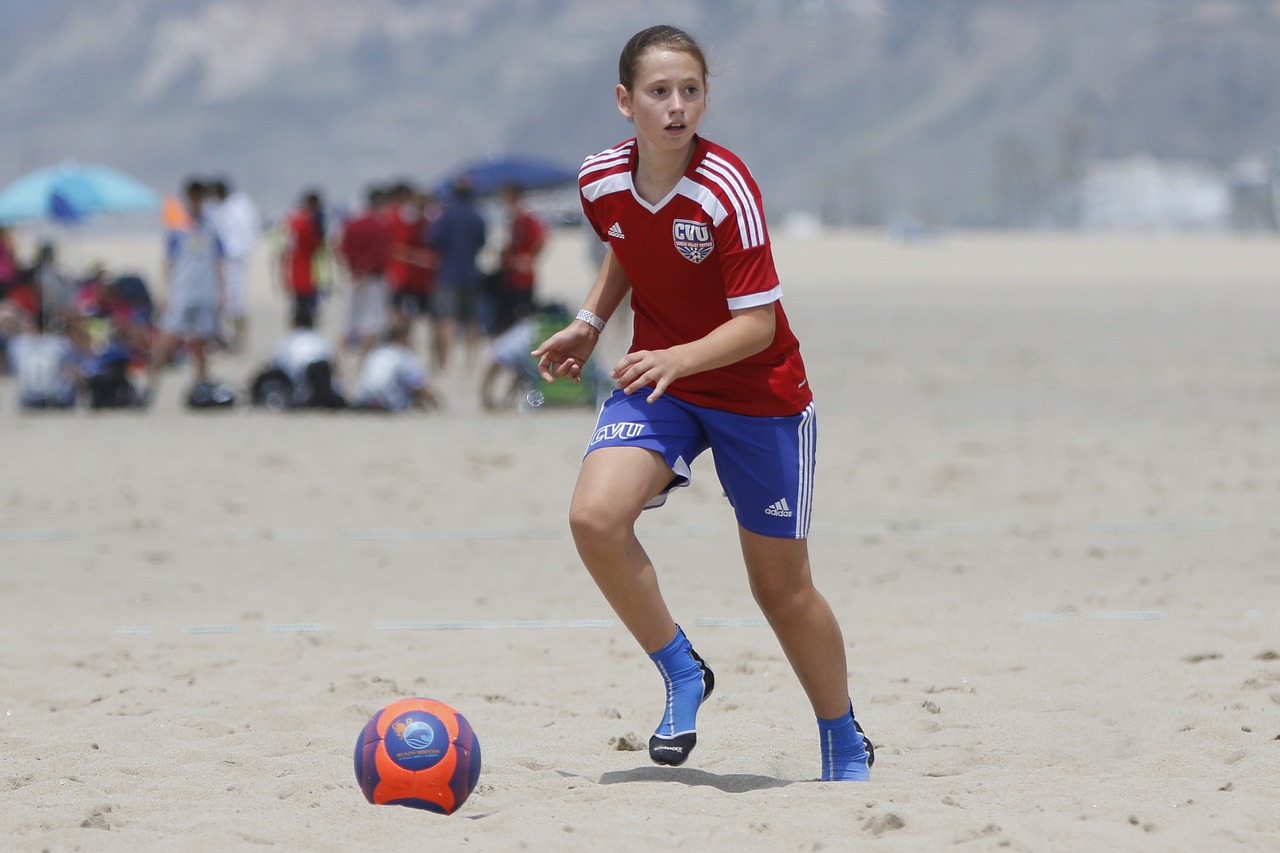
pixel 446 329
pixel 239 333
pixel 200 357
pixel 436 347
pixel 800 617
pixel 614 485
pixel 474 342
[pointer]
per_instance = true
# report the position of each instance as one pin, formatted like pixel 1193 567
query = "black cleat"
pixel 672 751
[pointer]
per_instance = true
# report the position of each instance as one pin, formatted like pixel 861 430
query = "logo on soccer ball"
pixel 692 239
pixel 416 734
pixel 411 737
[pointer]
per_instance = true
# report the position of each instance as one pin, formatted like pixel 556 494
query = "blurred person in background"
pixel 526 238
pixel 19 305
pixel 458 235
pixel 304 240
pixel 415 264
pixel 365 248
pixel 56 289
pixel 193 292
pixel 392 378
pixel 46 366
pixel 239 225
pixel 300 373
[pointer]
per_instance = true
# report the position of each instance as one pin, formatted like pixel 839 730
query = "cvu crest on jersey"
pixel 692 239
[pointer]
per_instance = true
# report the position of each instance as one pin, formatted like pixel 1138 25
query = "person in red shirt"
pixel 304 237
pixel 527 236
pixel 414 262
pixel 366 248
pixel 399 216
pixel 713 364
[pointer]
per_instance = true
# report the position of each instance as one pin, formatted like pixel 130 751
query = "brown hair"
pixel 661 36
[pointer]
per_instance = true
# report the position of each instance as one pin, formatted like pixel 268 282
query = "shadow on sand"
pixel 733 783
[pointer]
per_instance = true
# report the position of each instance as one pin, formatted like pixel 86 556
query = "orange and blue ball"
pixel 419 753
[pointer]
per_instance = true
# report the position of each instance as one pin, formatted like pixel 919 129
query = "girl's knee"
pixel 777 597
pixel 583 522
pixel 590 519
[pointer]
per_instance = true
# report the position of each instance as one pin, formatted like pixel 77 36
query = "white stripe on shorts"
pixel 808 433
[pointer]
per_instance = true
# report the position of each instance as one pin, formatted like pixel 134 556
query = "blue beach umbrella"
pixel 72 191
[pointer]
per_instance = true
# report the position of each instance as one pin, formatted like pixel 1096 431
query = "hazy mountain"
pixel 971 112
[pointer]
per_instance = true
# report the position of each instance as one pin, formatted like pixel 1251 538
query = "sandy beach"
pixel 1047 515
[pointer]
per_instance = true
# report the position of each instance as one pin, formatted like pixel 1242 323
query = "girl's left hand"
pixel 658 368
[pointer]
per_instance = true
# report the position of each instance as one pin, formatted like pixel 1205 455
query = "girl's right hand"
pixel 564 353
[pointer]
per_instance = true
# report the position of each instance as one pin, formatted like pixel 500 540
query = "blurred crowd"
pixel 65 339
pixel 407 260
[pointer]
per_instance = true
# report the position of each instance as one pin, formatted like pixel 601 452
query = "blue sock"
pixel 689 682
pixel 846 754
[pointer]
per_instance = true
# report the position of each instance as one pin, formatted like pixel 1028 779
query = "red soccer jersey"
pixel 694 256
pixel 304 241
pixel 366 244
pixel 397 270
pixel 528 235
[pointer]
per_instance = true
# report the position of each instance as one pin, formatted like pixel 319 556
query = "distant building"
pixel 1143 193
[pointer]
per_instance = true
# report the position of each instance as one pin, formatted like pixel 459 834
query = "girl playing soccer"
pixel 712 364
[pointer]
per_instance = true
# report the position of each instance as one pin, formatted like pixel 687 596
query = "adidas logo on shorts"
pixel 780 509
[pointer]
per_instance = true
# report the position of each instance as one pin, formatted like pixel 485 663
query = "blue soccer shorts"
pixel 765 464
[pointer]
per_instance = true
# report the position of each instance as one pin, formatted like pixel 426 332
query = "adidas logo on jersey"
pixel 780 509
pixel 615 231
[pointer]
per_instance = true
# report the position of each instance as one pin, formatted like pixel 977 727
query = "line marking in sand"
pixel 393 535
pixel 450 625
pixel 579 624
pixel 273 535
pixel 1160 525
pixel 1102 615
pixel 294 627
pixel 899 527
pixel 521 625
pixel 1128 615
pixel 410 625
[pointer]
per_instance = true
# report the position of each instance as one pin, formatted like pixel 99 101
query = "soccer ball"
pixel 418 753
